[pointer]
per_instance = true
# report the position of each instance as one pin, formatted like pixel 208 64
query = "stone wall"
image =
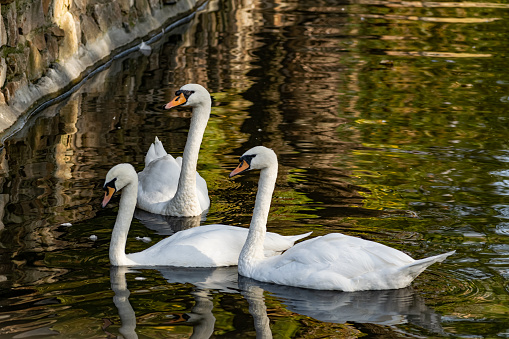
pixel 46 45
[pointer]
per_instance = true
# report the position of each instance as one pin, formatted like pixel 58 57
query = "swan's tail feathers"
pixel 160 151
pixel 155 151
pixel 294 238
pixel 151 155
pixel 418 266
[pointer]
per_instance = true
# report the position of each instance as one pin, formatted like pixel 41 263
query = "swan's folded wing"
pixel 345 255
pixel 159 148
pixel 212 245
pixel 158 182
pixel 203 246
pixel 151 155
pixel 155 151
pixel 203 192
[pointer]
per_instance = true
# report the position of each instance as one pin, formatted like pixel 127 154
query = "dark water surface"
pixel 390 120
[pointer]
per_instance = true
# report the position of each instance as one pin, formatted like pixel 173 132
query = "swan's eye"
pixel 185 93
pixel 250 156
pixel 110 184
pixel 247 158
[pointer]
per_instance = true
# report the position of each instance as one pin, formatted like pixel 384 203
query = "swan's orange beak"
pixel 109 191
pixel 177 101
pixel 243 166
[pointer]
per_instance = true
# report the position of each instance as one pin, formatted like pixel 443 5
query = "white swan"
pixel 172 186
pixel 331 262
pixel 203 246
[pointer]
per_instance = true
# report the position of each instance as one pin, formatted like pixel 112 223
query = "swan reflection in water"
pixel 201 317
pixel 121 301
pixel 387 307
pixel 166 224
pixel 384 307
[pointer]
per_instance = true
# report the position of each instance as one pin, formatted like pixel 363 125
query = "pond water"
pixel 390 121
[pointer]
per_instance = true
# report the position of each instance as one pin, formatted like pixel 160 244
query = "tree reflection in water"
pixel 390 122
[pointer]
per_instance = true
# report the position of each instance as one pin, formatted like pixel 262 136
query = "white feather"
pixel 331 262
pixel 167 186
pixel 203 246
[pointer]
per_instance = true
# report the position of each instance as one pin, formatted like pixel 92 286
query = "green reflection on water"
pixel 390 121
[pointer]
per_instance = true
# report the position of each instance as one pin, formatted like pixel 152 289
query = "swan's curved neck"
pixel 252 250
pixel 123 223
pixel 186 196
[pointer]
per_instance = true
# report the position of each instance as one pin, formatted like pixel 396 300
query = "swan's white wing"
pixel 157 184
pixel 206 246
pixel 334 261
pixel 159 148
pixel 203 192
pixel 155 151
pixel 151 155
pixel 362 255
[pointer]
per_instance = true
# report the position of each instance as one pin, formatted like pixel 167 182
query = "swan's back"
pixel 351 251
pixel 154 188
pixel 339 262
pixel 158 182
pixel 207 246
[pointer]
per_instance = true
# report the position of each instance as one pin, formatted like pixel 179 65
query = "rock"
pixel 13 85
pixel 31 18
pixel 38 40
pixel 60 8
pixel 108 15
pixel 69 45
pixel 81 5
pixel 52 46
pixel 89 30
pixel 35 64
pixel 3 72
pixel 17 63
pixel 12 25
pixel 3 33
pixel 45 6
pixel 57 31
pixel 142 7
pixel 154 4
pixel 125 5
pixel 47 44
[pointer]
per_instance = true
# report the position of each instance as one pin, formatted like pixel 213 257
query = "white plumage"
pixel 159 181
pixel 331 262
pixel 203 246
pixel 170 186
